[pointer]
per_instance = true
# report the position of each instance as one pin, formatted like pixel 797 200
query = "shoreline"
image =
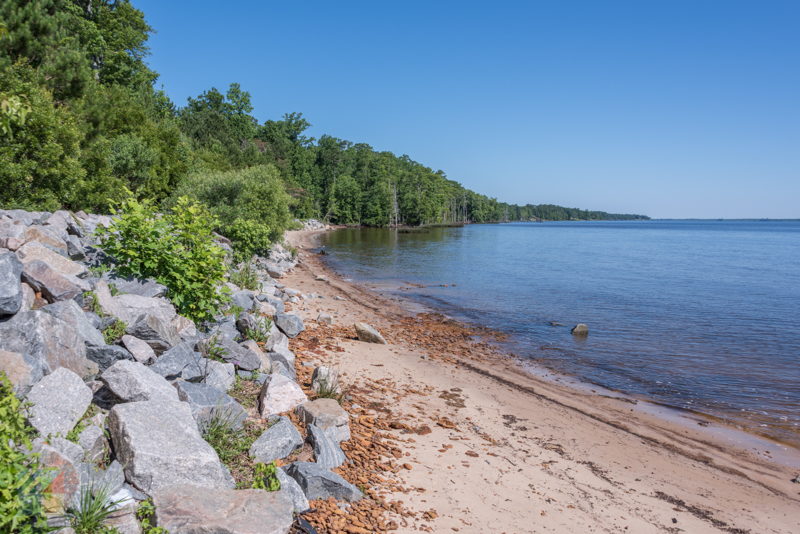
pixel 731 475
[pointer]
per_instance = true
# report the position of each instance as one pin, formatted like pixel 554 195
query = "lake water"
pixel 697 315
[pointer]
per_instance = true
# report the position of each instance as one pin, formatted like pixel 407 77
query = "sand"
pixel 510 452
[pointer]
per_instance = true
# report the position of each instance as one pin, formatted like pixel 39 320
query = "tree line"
pixel 83 126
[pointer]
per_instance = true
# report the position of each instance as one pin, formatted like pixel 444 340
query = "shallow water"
pixel 698 315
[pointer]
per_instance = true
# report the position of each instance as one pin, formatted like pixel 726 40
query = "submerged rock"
pixel 580 330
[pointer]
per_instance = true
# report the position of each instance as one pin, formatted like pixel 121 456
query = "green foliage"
pixel 22 480
pixel 92 511
pixel 114 332
pixel 249 237
pixel 265 477
pixel 260 332
pixel 330 388
pixel 213 350
pixel 246 277
pixel 229 442
pixel 145 514
pixel 176 248
pixel 91 303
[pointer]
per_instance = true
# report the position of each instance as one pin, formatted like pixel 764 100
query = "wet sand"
pixel 509 451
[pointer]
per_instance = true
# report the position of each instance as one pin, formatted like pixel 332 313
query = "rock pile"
pixel 131 415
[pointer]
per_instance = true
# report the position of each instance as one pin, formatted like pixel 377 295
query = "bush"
pixel 246 277
pixel 22 480
pixel 251 204
pixel 176 248
pixel 114 332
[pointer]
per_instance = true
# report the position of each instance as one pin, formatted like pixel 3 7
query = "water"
pixel 697 315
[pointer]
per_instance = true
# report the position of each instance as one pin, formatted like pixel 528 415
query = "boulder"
pixel 46 343
pixel 72 451
pixel 327 379
pixel 93 443
pixel 244 299
pixel 239 356
pixel 53 285
pixel 28 297
pixel 252 346
pixel 33 251
pixel 123 520
pixel 158 444
pixel 109 480
pixel 277 340
pixel 265 308
pixel 328 415
pixel 327 452
pixel 44 236
pixel 58 401
pixel 219 375
pixel 107 355
pixel 10 286
pixel 65 482
pixel 75 250
pixel 131 381
pixel 154 330
pixel 185 328
pixel 72 314
pixel 325 318
pixel 18 371
pixel 284 360
pixel 181 361
pixel 580 330
pixel 208 403
pixel 291 487
pixel 279 394
pixel 12 234
pixel 192 509
pixel 140 350
pixel 319 483
pixel 143 287
pixel 276 442
pixel 289 324
pixel 369 334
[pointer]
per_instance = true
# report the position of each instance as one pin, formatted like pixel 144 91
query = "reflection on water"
pixel 701 315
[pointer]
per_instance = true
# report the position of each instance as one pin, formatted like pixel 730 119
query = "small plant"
pixel 328 387
pixel 213 350
pixel 113 332
pixel 260 332
pixel 145 514
pixel 92 511
pixel 99 269
pixel 246 277
pixel 81 425
pixel 266 478
pixel 113 289
pixel 92 303
pixel 234 310
pixel 221 434
pixel 23 482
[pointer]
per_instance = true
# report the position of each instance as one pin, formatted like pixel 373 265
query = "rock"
pixel 109 480
pixel 72 451
pixel 265 308
pixel 155 331
pixel 10 286
pixel 327 452
pixel 46 343
pixel 158 444
pixel 93 443
pixel 225 329
pixel 28 297
pixel 131 381
pixel 219 375
pixel 65 482
pixel 289 324
pixel 41 235
pixel 319 483
pixel 369 334
pixel 75 250
pixel 327 379
pixel 185 327
pixel 58 401
pixel 181 361
pixel 252 346
pixel 279 394
pixel 293 489
pixel 143 287
pixel 140 350
pixel 17 370
pixel 129 307
pixel 72 314
pixel 279 367
pixel 278 441
pixel 276 303
pixel 325 318
pixel 328 415
pixel 244 299
pixel 209 403
pixel 36 251
pixel 107 355
pixel 277 340
pixel 190 509
pixel 53 285
pixel 123 520
pixel 246 322
pixel 241 357
pixel 580 330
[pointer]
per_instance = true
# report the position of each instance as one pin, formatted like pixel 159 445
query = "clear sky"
pixel 669 108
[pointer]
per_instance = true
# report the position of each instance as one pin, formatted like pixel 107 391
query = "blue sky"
pixel 671 108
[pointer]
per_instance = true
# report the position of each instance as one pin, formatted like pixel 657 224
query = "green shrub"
pixel 22 480
pixel 246 277
pixel 113 332
pixel 176 248
pixel 251 204
pixel 260 332
pixel 265 477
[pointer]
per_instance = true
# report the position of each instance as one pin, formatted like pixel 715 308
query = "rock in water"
pixel 58 401
pixel 193 509
pixel 279 394
pixel 131 381
pixel 158 444
pixel 289 324
pixel 10 287
pixel 319 483
pixel 278 441
pixel 369 334
pixel 580 330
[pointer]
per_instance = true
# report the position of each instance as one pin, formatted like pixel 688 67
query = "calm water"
pixel 701 315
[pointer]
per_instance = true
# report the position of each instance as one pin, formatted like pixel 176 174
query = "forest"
pixel 84 126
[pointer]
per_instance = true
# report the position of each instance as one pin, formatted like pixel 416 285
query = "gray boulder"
pixel 277 340
pixel 58 401
pixel 192 509
pixel 129 307
pixel 143 287
pixel 93 443
pixel 328 415
pixel 319 483
pixel 369 334
pixel 208 403
pixel 289 324
pixel 53 285
pixel 159 445
pixel 107 355
pixel 10 287
pixel 252 346
pixel 325 378
pixel 109 480
pixel 140 350
pixel 75 250
pixel 219 375
pixel 181 361
pixel 154 330
pixel 278 441
pixel 46 343
pixel 70 450
pixel 72 314
pixel 325 318
pixel 131 381
pixel 244 299
pixel 279 394
pixel 65 480
pixel 327 452
pixel 279 360
pixel 291 487
pixel 34 251
pixel 18 371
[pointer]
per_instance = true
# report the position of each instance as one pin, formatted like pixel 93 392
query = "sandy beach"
pixel 476 444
